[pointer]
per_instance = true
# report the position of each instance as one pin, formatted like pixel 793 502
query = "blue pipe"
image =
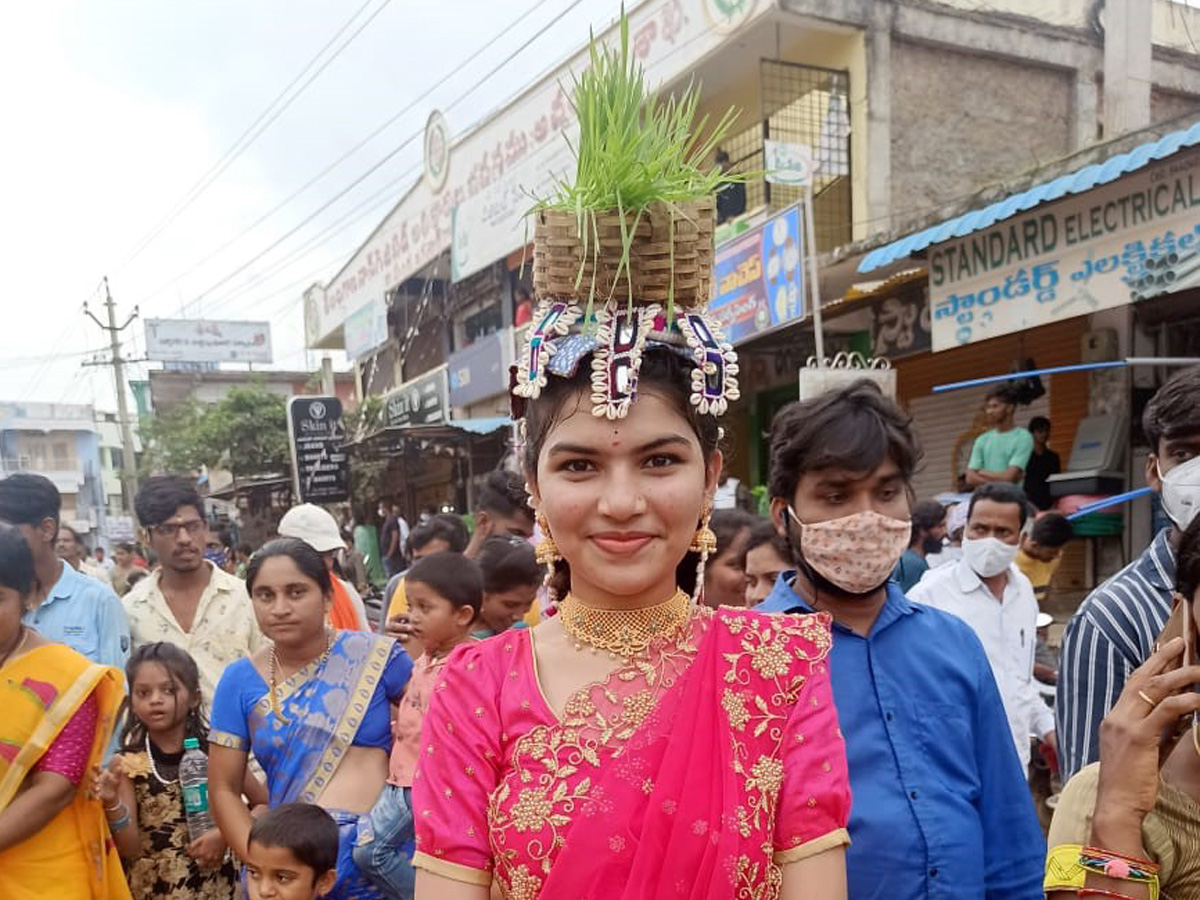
pixel 992 379
pixel 1107 502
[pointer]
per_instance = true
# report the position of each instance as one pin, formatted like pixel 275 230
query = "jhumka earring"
pixel 704 542
pixel 546 552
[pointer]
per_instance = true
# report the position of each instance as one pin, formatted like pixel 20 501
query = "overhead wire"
pixel 380 163
pixel 270 114
pixel 348 153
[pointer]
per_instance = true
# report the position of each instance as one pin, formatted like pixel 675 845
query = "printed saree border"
pixel 352 716
pixel 48 728
pixel 453 871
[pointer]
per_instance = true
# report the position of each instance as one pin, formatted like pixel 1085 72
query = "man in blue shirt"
pixel 68 607
pixel 940 805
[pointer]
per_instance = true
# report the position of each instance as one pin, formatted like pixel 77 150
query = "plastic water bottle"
pixel 193 779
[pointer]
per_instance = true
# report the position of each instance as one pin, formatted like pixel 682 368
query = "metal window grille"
pixel 802 105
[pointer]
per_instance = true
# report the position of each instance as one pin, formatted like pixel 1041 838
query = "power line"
pixel 349 153
pixel 257 127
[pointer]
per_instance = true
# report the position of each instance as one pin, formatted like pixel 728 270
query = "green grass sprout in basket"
pixel 634 152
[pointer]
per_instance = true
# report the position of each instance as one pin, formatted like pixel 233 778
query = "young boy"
pixel 444 593
pixel 1042 549
pixel 292 854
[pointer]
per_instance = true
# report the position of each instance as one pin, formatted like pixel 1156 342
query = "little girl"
pixel 140 788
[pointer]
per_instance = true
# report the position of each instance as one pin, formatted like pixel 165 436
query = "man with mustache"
pixel 940 805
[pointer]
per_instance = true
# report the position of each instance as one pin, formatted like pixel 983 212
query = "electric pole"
pixel 129 461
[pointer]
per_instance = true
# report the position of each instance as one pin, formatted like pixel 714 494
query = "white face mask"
pixel 988 556
pixel 1181 492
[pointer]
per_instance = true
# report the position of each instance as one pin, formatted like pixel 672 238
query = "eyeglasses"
pixel 194 527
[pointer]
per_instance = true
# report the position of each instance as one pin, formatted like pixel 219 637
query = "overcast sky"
pixel 114 109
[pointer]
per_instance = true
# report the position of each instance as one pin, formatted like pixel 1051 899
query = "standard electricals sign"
pixel 319 462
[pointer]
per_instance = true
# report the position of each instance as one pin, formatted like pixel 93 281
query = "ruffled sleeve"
pixel 814 804
pixel 459 769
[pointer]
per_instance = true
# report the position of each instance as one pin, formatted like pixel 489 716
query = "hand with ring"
pixel 1147 715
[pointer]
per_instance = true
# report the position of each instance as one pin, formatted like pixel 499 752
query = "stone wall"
pixel 962 121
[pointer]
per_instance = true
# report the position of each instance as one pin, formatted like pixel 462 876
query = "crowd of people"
pixel 843 698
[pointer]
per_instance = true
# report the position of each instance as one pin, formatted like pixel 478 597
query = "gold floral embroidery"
pixel 523 884
pixel 531 809
pixel 766 775
pixel 770 660
pixel 735 708
pixel 546 762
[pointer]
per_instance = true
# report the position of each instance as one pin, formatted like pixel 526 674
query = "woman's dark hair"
pixel 507 563
pixel 763 532
pixel 442 526
pixel 307 560
pixel 1187 571
pixel 728 525
pixel 307 832
pixel 451 576
pixel 159 497
pixel 664 373
pixel 855 429
pixel 503 493
pixel 184 673
pixel 16 564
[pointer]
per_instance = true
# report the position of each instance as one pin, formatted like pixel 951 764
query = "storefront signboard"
pixel 422 401
pixel 668 38
pixel 366 329
pixel 1129 240
pixel 900 327
pixel 480 370
pixel 320 465
pixel 206 340
pixel 759 278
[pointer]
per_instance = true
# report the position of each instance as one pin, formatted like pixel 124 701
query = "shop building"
pixel 914 113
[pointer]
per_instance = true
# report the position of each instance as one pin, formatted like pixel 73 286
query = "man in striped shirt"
pixel 1115 629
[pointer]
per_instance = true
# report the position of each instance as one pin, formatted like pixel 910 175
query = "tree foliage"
pixel 244 433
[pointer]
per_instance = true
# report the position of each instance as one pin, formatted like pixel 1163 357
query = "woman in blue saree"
pixel 314 707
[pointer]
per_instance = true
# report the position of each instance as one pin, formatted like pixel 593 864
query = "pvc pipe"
pixel 1081 367
pixel 992 379
pixel 1114 500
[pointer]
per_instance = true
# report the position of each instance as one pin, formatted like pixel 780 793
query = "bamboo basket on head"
pixel 639 219
pixel 670 253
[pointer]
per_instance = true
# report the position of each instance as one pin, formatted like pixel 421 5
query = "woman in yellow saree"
pixel 58 711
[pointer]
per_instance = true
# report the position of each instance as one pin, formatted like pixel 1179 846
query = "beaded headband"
pixel 616 334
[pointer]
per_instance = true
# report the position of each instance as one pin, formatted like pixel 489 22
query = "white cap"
pixel 313 525
pixel 1044 619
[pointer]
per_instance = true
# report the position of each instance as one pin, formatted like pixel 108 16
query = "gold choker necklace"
pixel 624 633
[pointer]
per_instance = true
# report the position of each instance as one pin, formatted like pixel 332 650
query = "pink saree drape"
pixel 694 774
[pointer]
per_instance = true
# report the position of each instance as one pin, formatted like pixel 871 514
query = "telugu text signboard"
pixel 1123 242
pixel 320 465
pixel 667 37
pixel 202 340
pixel 760 278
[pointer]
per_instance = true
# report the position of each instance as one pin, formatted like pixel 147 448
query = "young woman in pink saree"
pixel 638 744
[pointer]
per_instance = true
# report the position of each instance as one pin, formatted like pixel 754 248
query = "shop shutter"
pixel 940 420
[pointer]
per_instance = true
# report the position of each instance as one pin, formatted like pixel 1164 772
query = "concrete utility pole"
pixel 129 467
pixel 1127 61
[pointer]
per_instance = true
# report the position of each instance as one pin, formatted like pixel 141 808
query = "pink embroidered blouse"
pixel 705 767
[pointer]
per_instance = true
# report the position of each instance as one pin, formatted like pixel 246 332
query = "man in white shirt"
pixel 987 591
pixel 188 601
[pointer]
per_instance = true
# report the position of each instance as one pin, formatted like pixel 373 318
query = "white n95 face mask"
pixel 1181 492
pixel 989 556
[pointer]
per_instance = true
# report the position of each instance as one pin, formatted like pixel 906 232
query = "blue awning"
pixel 1072 183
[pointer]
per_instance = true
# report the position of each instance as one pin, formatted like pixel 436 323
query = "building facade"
pixel 915 112
pixel 60 441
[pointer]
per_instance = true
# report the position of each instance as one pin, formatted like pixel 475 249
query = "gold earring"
pixel 704 541
pixel 546 551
